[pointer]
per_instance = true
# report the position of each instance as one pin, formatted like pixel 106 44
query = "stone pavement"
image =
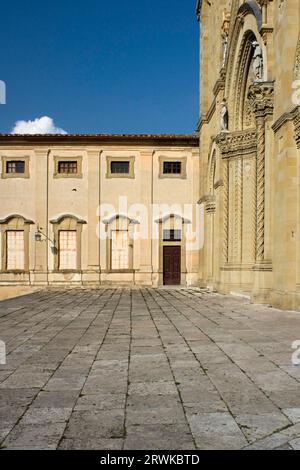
pixel 147 369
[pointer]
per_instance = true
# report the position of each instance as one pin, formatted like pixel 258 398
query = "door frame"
pixel 179 251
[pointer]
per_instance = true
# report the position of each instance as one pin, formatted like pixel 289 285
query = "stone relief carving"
pixel 297 61
pixel 237 143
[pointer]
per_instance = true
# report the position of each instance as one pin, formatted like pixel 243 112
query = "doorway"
pixel 172 265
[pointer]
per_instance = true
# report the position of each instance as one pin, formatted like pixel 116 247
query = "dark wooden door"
pixel 172 265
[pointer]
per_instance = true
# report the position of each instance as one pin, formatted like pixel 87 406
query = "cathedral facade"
pixel 250 148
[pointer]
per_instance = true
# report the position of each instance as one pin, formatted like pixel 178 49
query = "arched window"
pixel 67 231
pixel 120 243
pixel 15 243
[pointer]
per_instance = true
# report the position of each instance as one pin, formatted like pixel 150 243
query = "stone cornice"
pixel 219 85
pixel 207 117
pixel 292 115
pixel 236 144
pixel 284 118
pixel 209 202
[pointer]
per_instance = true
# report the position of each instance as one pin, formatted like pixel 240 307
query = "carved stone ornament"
pixel 237 143
pixel 261 98
pixel 297 62
pixel 297 126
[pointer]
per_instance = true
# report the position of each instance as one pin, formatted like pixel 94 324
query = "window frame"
pixel 172 167
pixel 128 268
pixel 181 160
pixel 6 160
pixel 15 222
pixel 7 268
pixel 70 159
pixel 173 238
pixel 64 268
pixel 129 175
pixel 68 166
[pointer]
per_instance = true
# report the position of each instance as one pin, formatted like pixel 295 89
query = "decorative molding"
pixel 67 216
pixel 297 61
pixel 218 184
pixel 210 203
pixel 225 249
pixel 205 119
pixel 115 217
pixel 293 115
pixel 16 216
pixel 261 97
pixel 296 120
pixel 237 144
pixel 220 84
pixel 285 117
pixel 250 7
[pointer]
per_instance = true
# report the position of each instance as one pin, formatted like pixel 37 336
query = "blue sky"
pixel 98 66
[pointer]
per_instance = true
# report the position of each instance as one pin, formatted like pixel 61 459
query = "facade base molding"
pixel 263 266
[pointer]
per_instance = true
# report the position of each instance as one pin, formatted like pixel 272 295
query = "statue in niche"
pixel 225 47
pixel 258 62
pixel 224 117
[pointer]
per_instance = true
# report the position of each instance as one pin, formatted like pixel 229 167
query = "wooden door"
pixel 172 265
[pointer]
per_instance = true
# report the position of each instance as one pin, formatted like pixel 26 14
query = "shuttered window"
pixel 120 246
pixel 15 250
pixel 67 249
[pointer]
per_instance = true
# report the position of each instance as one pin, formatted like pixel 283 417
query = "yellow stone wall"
pixel 252 243
pixel 44 198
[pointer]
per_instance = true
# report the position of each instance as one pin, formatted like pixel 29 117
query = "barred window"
pixel 67 167
pixel 120 168
pixel 172 168
pixel 68 250
pixel 119 248
pixel 15 250
pixel 15 166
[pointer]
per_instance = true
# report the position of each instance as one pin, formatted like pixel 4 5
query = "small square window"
pixel 172 235
pixel 120 168
pixel 15 166
pixel 172 168
pixel 67 167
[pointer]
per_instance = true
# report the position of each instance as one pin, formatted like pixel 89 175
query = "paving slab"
pixel 165 369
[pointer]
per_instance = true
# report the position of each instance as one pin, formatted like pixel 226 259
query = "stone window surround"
pixel 117 223
pixel 77 159
pixel 25 159
pixel 67 222
pixel 15 222
pixel 182 160
pixel 130 175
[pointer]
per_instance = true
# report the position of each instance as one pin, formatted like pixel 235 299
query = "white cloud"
pixel 43 125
